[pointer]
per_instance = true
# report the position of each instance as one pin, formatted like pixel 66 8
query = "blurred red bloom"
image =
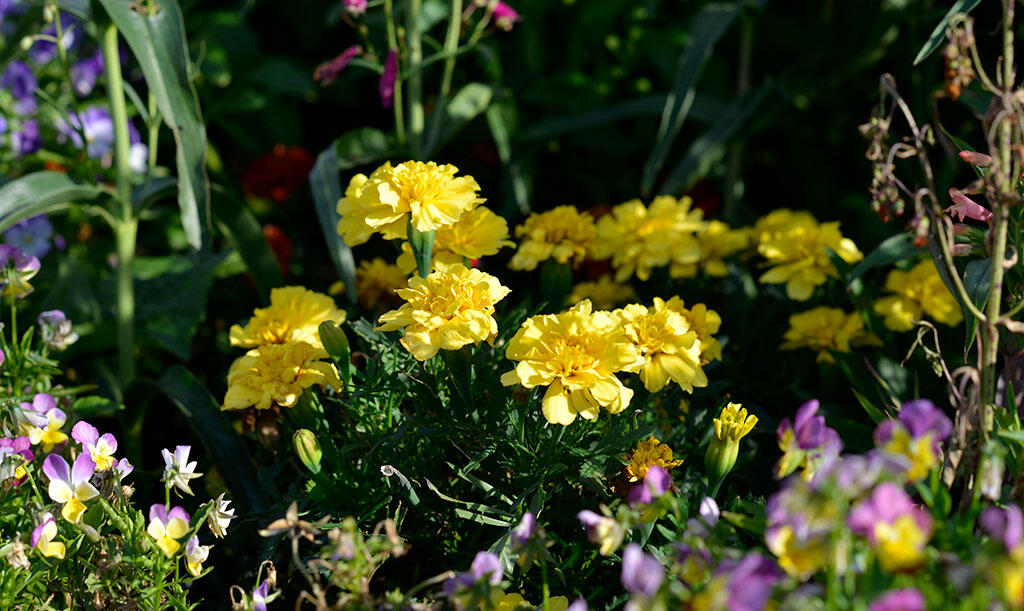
pixel 277 174
pixel 282 246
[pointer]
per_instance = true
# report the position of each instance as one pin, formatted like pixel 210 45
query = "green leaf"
pixel 464 106
pixel 875 413
pixel 502 120
pixel 326 187
pixel 708 26
pixel 939 33
pixel 336 344
pixel 39 193
pixel 977 279
pixel 710 146
pixel 961 145
pixel 156 37
pixel 236 220
pixel 223 445
pixel 896 248
pixel 95 407
pixel 362 146
pixel 152 191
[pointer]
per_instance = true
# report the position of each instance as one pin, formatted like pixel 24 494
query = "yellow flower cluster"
pixel 604 293
pixel 576 354
pixel 376 281
pixel 668 348
pixel 795 245
pixel 639 238
pixel 917 292
pixel 478 233
pixel 446 311
pixel 733 423
pixel 825 329
pixel 564 234
pixel 648 453
pixel 716 241
pixel 286 353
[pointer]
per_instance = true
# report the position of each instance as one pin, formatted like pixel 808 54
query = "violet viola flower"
pixel 741 586
pixel 167 527
pixel 654 484
pixel 386 87
pixel 11 467
pixel 85 73
pixel 906 599
pixel 43 51
pixel 43 421
pixel 807 442
pixel 32 236
pixel 709 515
pixel 896 528
pixel 43 537
pixel 1005 525
pixel 693 563
pixel 98 128
pixel 26 140
pixel 259 597
pixel 604 531
pixel 917 436
pixel 327 72
pixel 123 468
pixel 642 574
pixel 522 533
pixel 195 556
pixel 354 7
pixel 70 486
pixel 55 330
pixel 101 448
pixel 16 269
pixel 578 605
pixel 485 567
pixel 19 79
pixel 799 525
pixel 964 207
pixel 855 474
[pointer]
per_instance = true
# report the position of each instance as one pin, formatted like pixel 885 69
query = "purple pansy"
pixel 654 484
pixel 748 583
pixel 485 566
pixel 19 79
pixel 19 446
pixel 806 442
pixel 1004 524
pixel 259 597
pixel 69 485
pixel 642 574
pixel 906 599
pixel 523 532
pixel 917 436
pixel 26 140
pixel 98 127
pixel 386 86
pixel 32 236
pixel 16 269
pixel 85 73
pixel 100 447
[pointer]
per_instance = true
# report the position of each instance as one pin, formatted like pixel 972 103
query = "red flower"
pixel 277 174
pixel 282 246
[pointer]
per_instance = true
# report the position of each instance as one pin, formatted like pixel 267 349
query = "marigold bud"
pixel 308 449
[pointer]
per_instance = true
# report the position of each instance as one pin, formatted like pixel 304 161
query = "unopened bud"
pixel 974 158
pixel 308 449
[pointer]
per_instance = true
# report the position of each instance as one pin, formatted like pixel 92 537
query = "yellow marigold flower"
pixel 428 194
pixel 716 241
pixel 564 234
pixel 604 293
pixel 277 373
pixel 798 256
pixel 639 238
pixel 775 223
pixel 294 315
pixel 378 280
pixel 826 329
pixel 668 348
pixel 478 233
pixel 446 311
pixel 576 355
pixel 733 423
pixel 917 292
pixel 649 452
pixel 353 208
pixel 705 323
pixel 512 602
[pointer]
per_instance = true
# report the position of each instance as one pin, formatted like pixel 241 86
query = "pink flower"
pixel 326 72
pixel 505 16
pixel 965 207
pixel 354 7
pixel 386 87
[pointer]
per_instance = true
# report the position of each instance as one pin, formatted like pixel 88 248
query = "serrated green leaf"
pixel 157 39
pixel 939 33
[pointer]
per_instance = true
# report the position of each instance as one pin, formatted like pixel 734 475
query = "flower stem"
pixel 127 226
pixel 389 18
pixel 413 41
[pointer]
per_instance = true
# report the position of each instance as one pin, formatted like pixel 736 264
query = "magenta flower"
pixel 100 448
pixel 1004 524
pixel 654 484
pixel 16 269
pixel 806 443
pixel 746 585
pixel 505 16
pixel 916 436
pixel 965 207
pixel 70 486
pixel 386 87
pixel 354 7
pixel 907 599
pixel 642 574
pixel 898 530
pixel 326 72
pixel 11 467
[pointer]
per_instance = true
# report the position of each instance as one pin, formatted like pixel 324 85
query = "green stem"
pixel 389 18
pixel 545 588
pixel 413 41
pixel 736 150
pixel 114 518
pixel 451 46
pixel 154 134
pixel 127 226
